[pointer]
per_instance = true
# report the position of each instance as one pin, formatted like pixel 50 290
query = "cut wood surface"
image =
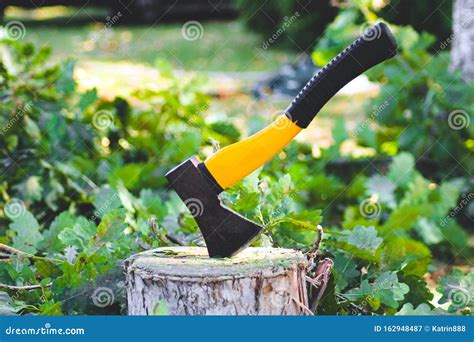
pixel 185 281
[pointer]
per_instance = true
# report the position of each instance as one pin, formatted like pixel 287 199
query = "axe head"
pixel 225 231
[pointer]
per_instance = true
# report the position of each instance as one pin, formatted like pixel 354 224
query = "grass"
pixel 82 34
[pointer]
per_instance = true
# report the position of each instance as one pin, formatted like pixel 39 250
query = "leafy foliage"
pixel 423 107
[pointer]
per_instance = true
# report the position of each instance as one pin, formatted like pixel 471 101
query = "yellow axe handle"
pixel 234 162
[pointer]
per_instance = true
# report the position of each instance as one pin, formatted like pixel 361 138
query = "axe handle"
pixel 375 46
pixel 234 162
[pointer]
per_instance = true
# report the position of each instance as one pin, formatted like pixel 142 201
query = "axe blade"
pixel 225 231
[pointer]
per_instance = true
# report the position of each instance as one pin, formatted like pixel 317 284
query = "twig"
pixel 24 287
pixel 176 239
pixel 314 250
pixel 153 226
pixel 303 307
pixel 323 271
pixel 11 250
pixel 359 308
pixel 319 282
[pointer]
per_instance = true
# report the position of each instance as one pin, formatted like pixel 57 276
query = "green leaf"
pixel 419 290
pixel 28 236
pixel 410 256
pixel 6 304
pixel 130 175
pixel 126 198
pixel 341 242
pixel 46 268
pixel 31 189
pixel 382 187
pixel 79 235
pixel 418 192
pixel 32 128
pixel 51 308
pixel 66 83
pixel 449 193
pixel 306 219
pixel 226 129
pixel 385 288
pixel 339 132
pixel 152 204
pixel 88 98
pixel 456 237
pixel 364 238
pixel 402 218
pixel 111 227
pixel 421 310
pixel 345 270
pixel 457 289
pixel 247 202
pixel 106 200
pixel 429 231
pixel 407 37
pixel 62 221
pixel 281 189
pixel 402 169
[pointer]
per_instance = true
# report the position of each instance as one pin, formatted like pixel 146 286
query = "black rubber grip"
pixel 376 45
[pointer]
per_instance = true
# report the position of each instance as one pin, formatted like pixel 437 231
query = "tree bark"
pixel 462 50
pixel 184 280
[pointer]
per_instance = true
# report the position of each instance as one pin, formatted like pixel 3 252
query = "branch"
pixel 24 287
pixel 314 250
pixel 11 250
pixel 303 307
pixel 176 239
pixel 320 282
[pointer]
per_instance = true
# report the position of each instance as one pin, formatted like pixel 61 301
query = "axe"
pixel 198 184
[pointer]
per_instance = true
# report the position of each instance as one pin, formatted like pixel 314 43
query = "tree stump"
pixel 462 50
pixel 184 280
